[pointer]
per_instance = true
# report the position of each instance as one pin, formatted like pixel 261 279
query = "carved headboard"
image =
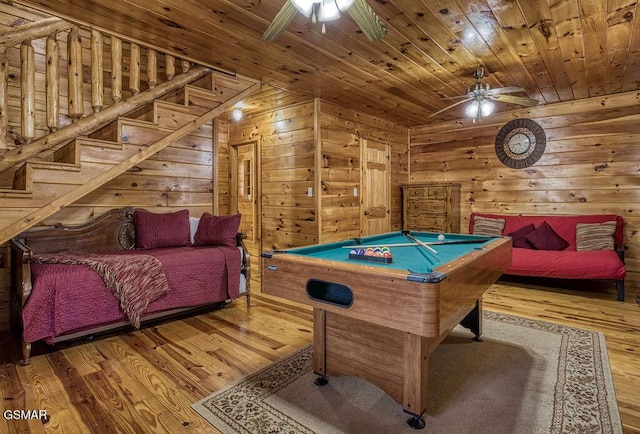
pixel 113 230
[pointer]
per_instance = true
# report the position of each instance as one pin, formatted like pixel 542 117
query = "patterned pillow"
pixel 595 236
pixel 161 230
pixel 216 230
pixel 487 226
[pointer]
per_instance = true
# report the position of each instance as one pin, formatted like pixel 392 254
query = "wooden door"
pixel 375 202
pixel 243 195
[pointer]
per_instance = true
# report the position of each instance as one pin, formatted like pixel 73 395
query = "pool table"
pixel 378 320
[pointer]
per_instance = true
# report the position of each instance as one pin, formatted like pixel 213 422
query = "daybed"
pixel 561 246
pixel 124 268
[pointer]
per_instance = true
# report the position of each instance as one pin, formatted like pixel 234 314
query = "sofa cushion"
pixel 595 264
pixel 595 236
pixel 488 226
pixel 519 237
pixel 545 238
pixel 161 230
pixel 217 230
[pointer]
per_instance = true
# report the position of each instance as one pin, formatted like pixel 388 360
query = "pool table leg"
pixel 319 346
pixel 415 421
pixel 473 321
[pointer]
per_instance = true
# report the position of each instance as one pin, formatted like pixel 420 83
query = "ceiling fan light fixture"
pixel 325 10
pixel 305 7
pixel 328 11
pixel 472 109
pixel 486 107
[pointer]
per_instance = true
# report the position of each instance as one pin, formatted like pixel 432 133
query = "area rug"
pixel 525 377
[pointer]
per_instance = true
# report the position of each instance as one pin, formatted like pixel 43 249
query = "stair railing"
pixel 103 49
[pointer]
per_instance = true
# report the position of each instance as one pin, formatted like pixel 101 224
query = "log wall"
pixel 591 165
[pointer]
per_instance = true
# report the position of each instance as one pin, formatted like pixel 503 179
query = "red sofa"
pixel 567 263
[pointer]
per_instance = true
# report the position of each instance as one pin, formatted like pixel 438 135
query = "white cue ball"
pixel 440 237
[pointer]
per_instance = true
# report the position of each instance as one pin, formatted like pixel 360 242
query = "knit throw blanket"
pixel 135 280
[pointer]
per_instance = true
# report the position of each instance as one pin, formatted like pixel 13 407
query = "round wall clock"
pixel 520 143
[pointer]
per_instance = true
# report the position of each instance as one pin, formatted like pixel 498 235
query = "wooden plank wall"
pixel 285 138
pixel 591 165
pixel 341 131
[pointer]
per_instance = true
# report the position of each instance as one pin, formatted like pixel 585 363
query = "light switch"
pixel 355 191
pixel 310 192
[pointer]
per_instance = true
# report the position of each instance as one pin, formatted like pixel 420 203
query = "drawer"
pixel 427 223
pixel 426 192
pixel 427 207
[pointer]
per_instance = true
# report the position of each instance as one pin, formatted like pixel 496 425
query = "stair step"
pixel 22 183
pixel 54 165
pixel 170 115
pixel 98 143
pixel 144 133
pixel 197 96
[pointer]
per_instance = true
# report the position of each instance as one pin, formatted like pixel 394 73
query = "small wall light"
pixel 236 114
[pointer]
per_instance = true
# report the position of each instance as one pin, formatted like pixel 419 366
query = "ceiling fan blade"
pixel 280 22
pixel 365 17
pixel 451 106
pixel 508 89
pixel 527 102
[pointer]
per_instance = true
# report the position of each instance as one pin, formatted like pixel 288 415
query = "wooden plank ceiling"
pixel 557 50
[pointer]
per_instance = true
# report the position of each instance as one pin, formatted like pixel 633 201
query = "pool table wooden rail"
pixel 384 296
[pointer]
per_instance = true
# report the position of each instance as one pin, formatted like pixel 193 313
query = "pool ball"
pixel 440 237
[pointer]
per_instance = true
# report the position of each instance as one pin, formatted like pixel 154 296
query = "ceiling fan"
pixel 327 10
pixel 481 94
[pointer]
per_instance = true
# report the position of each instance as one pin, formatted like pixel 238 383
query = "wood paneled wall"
pixel 288 139
pixel 314 145
pixel 285 138
pixel 591 165
pixel 341 132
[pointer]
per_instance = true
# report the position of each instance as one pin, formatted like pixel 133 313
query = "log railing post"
pixel 170 66
pixel 116 69
pixel 28 91
pixel 152 68
pixel 52 82
pixel 134 69
pixel 4 67
pixel 74 59
pixel 97 85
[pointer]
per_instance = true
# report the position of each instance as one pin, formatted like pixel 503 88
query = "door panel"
pixel 376 187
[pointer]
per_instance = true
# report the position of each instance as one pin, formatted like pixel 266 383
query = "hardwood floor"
pixel 145 381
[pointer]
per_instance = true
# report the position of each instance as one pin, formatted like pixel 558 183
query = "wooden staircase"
pixel 43 175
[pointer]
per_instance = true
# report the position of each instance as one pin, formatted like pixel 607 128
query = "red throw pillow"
pixel 518 236
pixel 545 238
pixel 217 230
pixel 161 230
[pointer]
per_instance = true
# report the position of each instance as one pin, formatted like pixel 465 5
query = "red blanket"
pixel 121 274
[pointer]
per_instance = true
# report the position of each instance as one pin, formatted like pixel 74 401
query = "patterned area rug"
pixel 527 376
